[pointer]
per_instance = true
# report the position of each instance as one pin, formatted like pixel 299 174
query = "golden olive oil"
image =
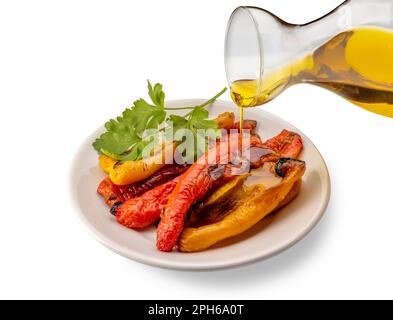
pixel 356 64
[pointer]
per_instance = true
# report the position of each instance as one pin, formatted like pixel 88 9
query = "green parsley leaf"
pixel 147 116
pixel 177 123
pixel 118 138
pixel 136 151
pixel 124 138
pixel 198 119
pixel 156 94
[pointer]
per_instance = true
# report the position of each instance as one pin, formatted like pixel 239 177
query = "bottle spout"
pixel 258 44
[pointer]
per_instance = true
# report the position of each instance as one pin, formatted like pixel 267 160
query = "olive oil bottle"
pixel 348 51
pixel 356 64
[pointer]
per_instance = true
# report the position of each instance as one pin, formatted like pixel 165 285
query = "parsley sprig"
pixel 125 137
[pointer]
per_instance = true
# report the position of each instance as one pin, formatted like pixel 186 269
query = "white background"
pixel 68 66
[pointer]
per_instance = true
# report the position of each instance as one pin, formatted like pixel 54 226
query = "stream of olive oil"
pixel 356 64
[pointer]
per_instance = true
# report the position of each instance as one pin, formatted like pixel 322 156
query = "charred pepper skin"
pixel 113 193
pixel 105 190
pixel 284 164
pixel 115 207
pixel 140 212
pixel 287 144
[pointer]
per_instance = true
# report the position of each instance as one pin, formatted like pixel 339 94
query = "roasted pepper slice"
pixel 247 125
pixel 106 163
pixel 128 172
pixel 287 144
pixel 256 205
pixel 143 211
pixel 193 186
pixel 225 120
pixel 113 193
pixel 133 171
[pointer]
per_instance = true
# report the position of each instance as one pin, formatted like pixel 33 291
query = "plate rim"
pixel 155 262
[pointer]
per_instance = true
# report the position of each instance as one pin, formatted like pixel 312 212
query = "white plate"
pixel 268 238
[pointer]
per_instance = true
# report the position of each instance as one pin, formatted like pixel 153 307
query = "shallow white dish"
pixel 268 238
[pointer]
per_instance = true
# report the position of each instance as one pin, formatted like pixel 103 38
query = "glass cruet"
pixel 348 51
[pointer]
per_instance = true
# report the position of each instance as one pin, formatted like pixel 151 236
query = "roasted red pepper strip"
pixel 113 193
pixel 247 125
pixel 143 211
pixel 250 125
pixel 193 185
pixel 105 190
pixel 286 144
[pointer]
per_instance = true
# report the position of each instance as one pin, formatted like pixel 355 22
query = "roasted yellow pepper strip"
pixel 106 163
pixel 258 205
pixel 133 171
pixel 129 172
pixel 225 190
